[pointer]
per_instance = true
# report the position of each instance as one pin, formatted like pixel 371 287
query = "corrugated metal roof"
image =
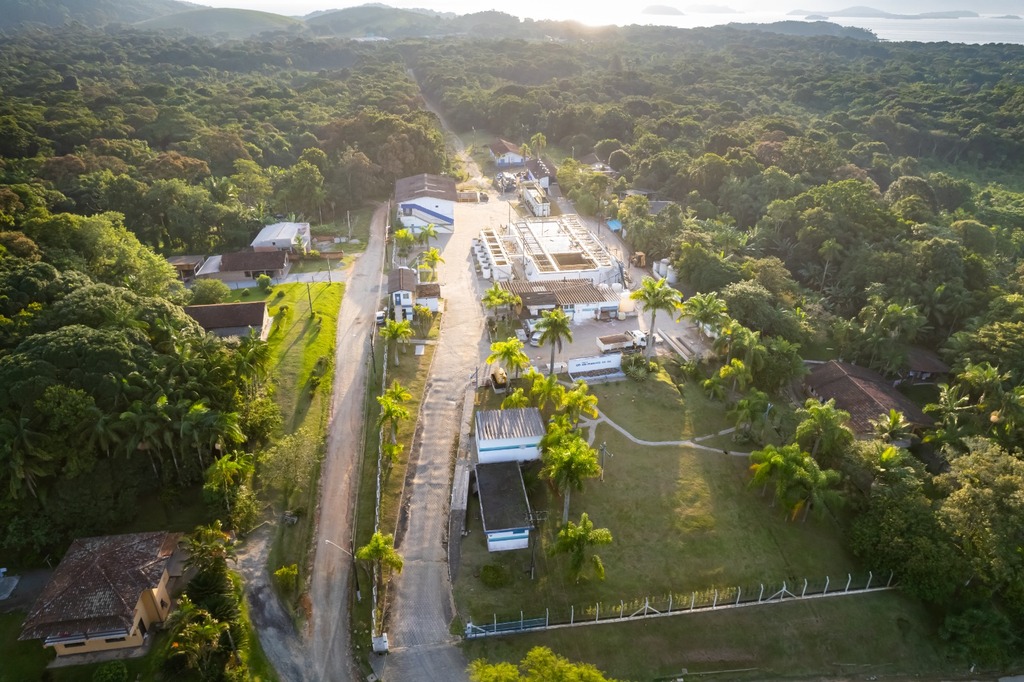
pixel 522 422
pixel 569 292
pixel 425 185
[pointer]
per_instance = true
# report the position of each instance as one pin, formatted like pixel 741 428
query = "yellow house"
pixel 107 593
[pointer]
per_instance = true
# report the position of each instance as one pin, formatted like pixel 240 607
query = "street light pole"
pixel 355 567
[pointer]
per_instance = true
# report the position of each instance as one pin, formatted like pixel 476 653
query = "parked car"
pixel 382 316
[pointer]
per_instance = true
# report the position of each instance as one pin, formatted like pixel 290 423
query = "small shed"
pixel 505 153
pixel 186 266
pixel 508 435
pixel 428 295
pixel 504 507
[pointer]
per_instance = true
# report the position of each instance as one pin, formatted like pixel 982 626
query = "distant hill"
pixel 377 20
pixel 93 13
pixel 222 22
pixel 872 13
pixel 807 28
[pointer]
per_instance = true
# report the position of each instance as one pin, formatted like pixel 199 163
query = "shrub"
pixel 287 577
pixel 637 368
pixel 494 576
pixel 245 293
pixel 111 671
pixel 263 282
pixel 207 291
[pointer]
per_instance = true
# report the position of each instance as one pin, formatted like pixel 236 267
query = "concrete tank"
pixel 663 267
pixel 671 276
pixel 626 304
pixel 617 287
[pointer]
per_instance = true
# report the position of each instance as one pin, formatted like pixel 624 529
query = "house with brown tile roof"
pixel 232 319
pixel 865 394
pixel 505 153
pixel 428 294
pixel 924 365
pixel 107 593
pixel 245 266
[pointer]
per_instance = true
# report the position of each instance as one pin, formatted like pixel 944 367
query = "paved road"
pixel 329 642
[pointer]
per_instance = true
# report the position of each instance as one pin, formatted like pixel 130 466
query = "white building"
pixel 578 299
pixel 535 199
pixel 402 283
pixel 426 200
pixel 283 237
pixel 505 154
pixel 548 249
pixel 508 435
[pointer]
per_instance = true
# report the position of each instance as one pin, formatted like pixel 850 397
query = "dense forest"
pixel 117 147
pixel 831 198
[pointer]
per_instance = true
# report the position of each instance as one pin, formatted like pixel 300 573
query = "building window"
pixel 72 645
pixel 112 640
pixel 407 210
pixel 163 604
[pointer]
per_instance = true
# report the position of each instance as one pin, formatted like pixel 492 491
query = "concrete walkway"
pixel 601 418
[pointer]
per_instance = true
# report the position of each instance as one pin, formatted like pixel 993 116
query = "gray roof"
pixel 569 292
pixel 253 260
pixel 865 394
pixel 425 185
pixel 521 422
pixel 503 502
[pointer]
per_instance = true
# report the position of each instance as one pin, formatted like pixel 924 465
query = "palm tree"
pixel 545 391
pixel 567 465
pixel 391 413
pixel 208 550
pixel 750 410
pixel 431 259
pixel 426 233
pixel 404 239
pixel 27 462
pixel 397 392
pixel 575 540
pixel 510 354
pixel 538 142
pixel 226 472
pixel 950 408
pixel 396 332
pixel 778 466
pixel 515 400
pixel 714 387
pixel 737 371
pixel 892 427
pixel 554 327
pixel 823 428
pixel 494 297
pixel 828 250
pixel 814 488
pixel 655 295
pixel 252 362
pixel 579 402
pixel 380 552
pixel 708 311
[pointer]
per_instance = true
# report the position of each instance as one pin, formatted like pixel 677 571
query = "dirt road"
pixel 329 642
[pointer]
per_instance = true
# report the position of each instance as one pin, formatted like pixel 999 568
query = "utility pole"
pixel 604 452
pixel 309 297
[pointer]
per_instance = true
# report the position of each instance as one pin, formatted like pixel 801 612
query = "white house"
pixel 540 172
pixel 428 294
pixel 504 507
pixel 505 154
pixel 426 200
pixel 508 435
pixel 283 237
pixel 402 284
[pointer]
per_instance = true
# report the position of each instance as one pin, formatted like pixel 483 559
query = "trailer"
pixel 627 342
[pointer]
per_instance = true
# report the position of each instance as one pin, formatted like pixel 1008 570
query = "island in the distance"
pixel 861 12
pixel 662 10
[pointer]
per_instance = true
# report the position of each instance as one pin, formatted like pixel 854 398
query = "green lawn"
pixel 360 231
pixel 855 637
pixel 21 660
pixel 685 520
pixel 656 411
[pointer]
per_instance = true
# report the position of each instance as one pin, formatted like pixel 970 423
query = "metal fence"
pixel 676 603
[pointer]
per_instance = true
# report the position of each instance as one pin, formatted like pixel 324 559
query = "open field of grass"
pixel 685 520
pixel 656 411
pixel 339 227
pixel 855 637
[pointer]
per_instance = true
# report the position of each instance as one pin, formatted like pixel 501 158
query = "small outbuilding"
pixel 107 593
pixel 508 435
pixel 294 237
pixel 186 266
pixel 504 507
pixel 428 294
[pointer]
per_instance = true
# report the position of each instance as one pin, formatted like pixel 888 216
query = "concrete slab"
pixel 7 585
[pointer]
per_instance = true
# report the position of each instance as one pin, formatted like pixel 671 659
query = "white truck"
pixel 627 342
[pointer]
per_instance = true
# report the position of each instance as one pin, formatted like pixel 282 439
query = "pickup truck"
pixel 627 342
